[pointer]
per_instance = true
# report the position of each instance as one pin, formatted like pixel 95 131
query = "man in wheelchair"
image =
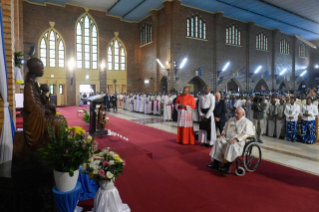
pixel 230 144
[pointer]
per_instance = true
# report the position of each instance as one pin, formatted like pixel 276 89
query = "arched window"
pixel 86 43
pixel 116 56
pixel 261 41
pixel 196 27
pixel 146 34
pixel 284 46
pixel 51 49
pixel 303 51
pixel 233 35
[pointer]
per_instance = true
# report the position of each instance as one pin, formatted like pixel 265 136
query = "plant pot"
pixel 64 182
pixel 106 185
pixel 87 123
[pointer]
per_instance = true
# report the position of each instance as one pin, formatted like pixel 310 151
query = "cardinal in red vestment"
pixel 185 104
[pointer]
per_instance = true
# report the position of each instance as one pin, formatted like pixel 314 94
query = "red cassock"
pixel 185 133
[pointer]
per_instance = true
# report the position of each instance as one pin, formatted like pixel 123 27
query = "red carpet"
pixel 176 179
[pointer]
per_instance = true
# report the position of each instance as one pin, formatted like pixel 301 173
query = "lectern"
pixel 94 101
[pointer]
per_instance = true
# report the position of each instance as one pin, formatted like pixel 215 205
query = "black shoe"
pixel 208 146
pixel 203 144
pixel 214 165
pixel 225 168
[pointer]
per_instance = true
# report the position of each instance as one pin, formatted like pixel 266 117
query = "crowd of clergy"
pixel 290 116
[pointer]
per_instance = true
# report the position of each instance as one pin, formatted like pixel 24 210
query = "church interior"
pixel 62 59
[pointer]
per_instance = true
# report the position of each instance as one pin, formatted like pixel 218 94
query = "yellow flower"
pixel 117 158
pixel 57 113
pixel 91 175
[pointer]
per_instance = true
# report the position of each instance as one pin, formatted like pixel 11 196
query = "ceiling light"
pixel 102 65
pixel 71 64
pixel 283 71
pixel 159 62
pixel 226 66
pixel 183 63
pixel 87 76
pixel 258 69
pixel 316 66
pixel 147 81
pixel 303 73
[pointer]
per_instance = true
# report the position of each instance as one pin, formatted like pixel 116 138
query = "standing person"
pixel 272 118
pixel 175 113
pixel 280 119
pixel 114 102
pixel 247 107
pixel 264 129
pixel 121 99
pixel 142 104
pixel 220 113
pixel 308 123
pixel 259 107
pixel 107 101
pixel 207 129
pixel 84 98
pixel 185 104
pixel 80 99
pixel 168 107
pixel 291 113
pixel 231 106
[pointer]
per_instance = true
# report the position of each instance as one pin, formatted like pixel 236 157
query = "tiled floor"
pixel 295 155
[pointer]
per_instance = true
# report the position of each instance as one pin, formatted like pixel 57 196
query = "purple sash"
pixel 152 105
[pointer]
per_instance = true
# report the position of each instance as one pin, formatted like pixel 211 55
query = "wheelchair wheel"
pixel 252 157
pixel 240 171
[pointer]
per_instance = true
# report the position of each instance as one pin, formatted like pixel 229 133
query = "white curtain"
pixel 8 129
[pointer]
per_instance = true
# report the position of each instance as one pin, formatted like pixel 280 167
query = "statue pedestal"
pixel 26 189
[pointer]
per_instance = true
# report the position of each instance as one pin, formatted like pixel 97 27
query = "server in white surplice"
pixel 272 118
pixel 207 129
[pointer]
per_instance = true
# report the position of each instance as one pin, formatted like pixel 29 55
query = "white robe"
pixel 146 105
pixel 280 123
pixel 207 101
pixel 241 130
pixel 135 103
pixel 138 103
pixel 168 107
pixel 132 104
pixel 271 123
pixel 142 104
pixel 264 129
pixel 157 106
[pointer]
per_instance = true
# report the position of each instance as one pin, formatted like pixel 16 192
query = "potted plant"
pixel 66 152
pixel 86 117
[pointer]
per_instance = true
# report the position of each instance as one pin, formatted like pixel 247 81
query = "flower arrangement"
pixel 68 150
pixel 105 165
pixel 86 117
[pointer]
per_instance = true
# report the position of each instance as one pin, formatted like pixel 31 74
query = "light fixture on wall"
pixel 226 66
pixel 258 69
pixel 52 75
pixel 87 76
pixel 303 73
pixel 146 81
pixel 160 63
pixel 316 66
pixel 71 64
pixel 183 63
pixel 102 65
pixel 283 71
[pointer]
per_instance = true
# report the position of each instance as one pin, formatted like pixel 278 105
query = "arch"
pixel 232 85
pixel 86 58
pixel 111 58
pixel 301 84
pixel 262 85
pixel 283 85
pixel 164 85
pixel 58 61
pixel 197 84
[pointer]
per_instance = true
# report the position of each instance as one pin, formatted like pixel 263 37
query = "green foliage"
pixel 86 117
pixel 18 57
pixel 68 150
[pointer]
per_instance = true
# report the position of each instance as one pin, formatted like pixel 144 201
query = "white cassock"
pixel 280 123
pixel 168 108
pixel 132 104
pixel 207 102
pixel 142 104
pixel 157 106
pixel 138 103
pixel 80 100
pixel 135 103
pixel 146 105
pixel 264 129
pixel 195 112
pixel 128 102
pixel 239 129
pixel 271 123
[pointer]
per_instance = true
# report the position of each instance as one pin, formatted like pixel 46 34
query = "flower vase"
pixel 64 182
pixel 108 199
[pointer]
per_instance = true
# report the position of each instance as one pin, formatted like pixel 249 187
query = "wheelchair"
pixel 250 159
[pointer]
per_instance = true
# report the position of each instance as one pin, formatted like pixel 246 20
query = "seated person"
pixel 101 122
pixel 231 142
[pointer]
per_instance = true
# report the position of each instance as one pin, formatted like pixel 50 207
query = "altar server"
pixel 308 123
pixel 185 104
pixel 142 103
pixel 135 103
pixel 272 118
pixel 264 129
pixel 207 128
pixel 291 113
pixel 168 107
pixel 280 119
pixel 132 99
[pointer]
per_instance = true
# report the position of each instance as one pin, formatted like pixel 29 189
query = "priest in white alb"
pixel 207 129
pixel 231 142
pixel 168 107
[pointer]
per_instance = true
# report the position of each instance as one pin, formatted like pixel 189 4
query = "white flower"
pixel 89 139
pixel 95 172
pixel 109 175
pixel 105 151
pixel 112 154
pixel 111 162
pixel 121 160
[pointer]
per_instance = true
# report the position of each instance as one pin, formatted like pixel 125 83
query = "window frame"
pixel 233 35
pixel 146 34
pixel 121 47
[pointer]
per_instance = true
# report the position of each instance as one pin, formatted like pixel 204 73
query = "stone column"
pixel 250 26
pixel 275 32
pixel 218 18
pixel 155 40
pixel 293 65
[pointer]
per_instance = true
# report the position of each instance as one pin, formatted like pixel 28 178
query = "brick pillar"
pixel 218 17
pixel 8 31
pixel 250 26
pixel 157 80
pixel 275 32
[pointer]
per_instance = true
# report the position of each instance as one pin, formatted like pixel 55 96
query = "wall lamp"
pixel 226 66
pixel 71 64
pixel 283 71
pixel 258 69
pixel 303 73
pixel 102 65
